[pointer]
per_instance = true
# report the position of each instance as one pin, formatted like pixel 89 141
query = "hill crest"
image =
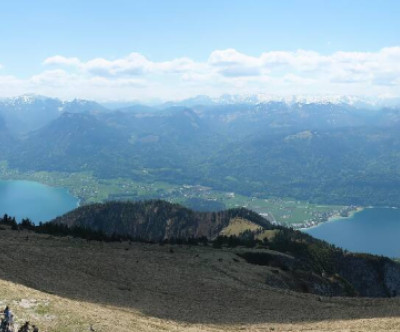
pixel 157 220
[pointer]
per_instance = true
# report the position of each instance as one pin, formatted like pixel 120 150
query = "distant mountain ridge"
pixel 262 98
pixel 322 152
pixel 30 112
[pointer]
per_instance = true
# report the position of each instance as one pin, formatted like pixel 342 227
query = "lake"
pixel 372 230
pixel 35 201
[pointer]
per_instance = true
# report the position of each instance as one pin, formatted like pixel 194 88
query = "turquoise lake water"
pixel 373 230
pixel 35 201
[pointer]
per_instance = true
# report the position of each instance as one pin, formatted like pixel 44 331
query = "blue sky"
pixel 159 32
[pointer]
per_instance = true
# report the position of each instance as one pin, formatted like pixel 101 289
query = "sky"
pixel 175 49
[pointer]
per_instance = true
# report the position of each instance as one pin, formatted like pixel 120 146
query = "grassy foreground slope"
pixel 66 284
pixel 306 264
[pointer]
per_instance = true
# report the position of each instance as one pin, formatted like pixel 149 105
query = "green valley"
pixel 89 189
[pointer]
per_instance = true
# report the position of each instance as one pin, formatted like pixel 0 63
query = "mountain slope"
pixel 72 142
pixel 7 140
pixel 66 284
pixel 117 144
pixel 345 165
pixel 307 264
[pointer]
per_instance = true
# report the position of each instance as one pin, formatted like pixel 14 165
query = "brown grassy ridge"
pixel 67 284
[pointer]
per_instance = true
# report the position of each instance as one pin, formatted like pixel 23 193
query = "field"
pixel 285 211
pixel 90 189
pixel 65 284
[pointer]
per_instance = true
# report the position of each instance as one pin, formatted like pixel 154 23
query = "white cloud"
pixel 224 71
pixel 132 65
pixel 135 64
pixel 299 61
pixel 231 63
pixel 57 77
pixel 61 60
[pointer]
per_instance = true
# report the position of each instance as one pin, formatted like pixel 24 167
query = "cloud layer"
pixel 225 71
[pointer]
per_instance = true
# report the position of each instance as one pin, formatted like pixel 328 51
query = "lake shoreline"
pixel 374 231
pixel 69 189
pixel 38 201
pixel 350 212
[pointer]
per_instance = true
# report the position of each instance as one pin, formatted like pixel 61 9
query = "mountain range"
pixel 323 152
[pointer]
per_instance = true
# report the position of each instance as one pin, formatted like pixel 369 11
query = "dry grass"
pixel 139 287
pixel 239 225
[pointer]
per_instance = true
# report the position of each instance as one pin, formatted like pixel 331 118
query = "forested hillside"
pixel 321 152
pixel 155 220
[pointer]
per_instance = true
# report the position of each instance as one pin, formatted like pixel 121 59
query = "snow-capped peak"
pixel 25 99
